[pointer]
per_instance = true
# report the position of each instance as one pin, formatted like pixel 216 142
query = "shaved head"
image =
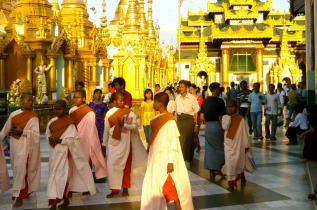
pixel 162 97
pixel 26 94
pixel 116 95
pixel 60 103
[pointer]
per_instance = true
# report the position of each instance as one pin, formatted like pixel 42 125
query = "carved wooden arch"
pixel 59 41
pixel 26 49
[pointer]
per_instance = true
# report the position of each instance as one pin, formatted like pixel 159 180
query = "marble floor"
pixel 280 182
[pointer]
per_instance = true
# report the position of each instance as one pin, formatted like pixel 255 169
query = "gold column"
pixel 93 72
pixel 225 67
pixel 148 76
pixel 137 78
pixel 2 73
pixel 52 76
pixel 259 64
pixel 70 74
pixel 152 78
pixel 120 69
pixel 29 73
pixel 86 75
pixel 106 77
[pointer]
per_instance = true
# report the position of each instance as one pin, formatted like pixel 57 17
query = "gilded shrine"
pixel 239 40
pixel 53 45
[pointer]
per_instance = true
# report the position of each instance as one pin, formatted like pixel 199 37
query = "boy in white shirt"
pixel 271 111
pixel 297 127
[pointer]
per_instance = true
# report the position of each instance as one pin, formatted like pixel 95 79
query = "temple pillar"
pixel 106 75
pixel 152 78
pixel 93 81
pixel 69 66
pixel 225 67
pixel 137 78
pixel 2 71
pixel 148 75
pixel 86 75
pixel 52 76
pixel 29 67
pixel 120 69
pixel 259 66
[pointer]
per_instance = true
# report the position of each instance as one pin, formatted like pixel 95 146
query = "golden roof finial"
pixel 132 22
pixel 103 18
pixel 157 28
pixel 55 6
pixel 150 20
pixel 202 45
pixel 143 22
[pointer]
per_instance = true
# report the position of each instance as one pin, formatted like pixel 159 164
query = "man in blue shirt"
pixel 256 101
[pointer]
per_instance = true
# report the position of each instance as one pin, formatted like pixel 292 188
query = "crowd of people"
pixel 103 137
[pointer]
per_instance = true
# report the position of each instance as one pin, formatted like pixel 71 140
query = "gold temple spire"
pixel 55 6
pixel 103 18
pixel 132 22
pixel 143 23
pixel 150 20
pixel 157 29
pixel 121 12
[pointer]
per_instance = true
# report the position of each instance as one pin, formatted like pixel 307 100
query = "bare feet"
pixel 198 149
pixel 53 206
pixel 243 180
pixel 86 193
pixel 18 203
pixel 312 197
pixel 111 194
pixel 125 192
pixel 64 204
pixel 230 188
pixel 304 160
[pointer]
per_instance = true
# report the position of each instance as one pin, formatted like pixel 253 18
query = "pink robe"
pixel 21 150
pixel 4 175
pixel 89 139
pixel 62 169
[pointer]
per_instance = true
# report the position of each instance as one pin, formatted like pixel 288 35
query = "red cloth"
pixel 112 90
pixel 169 190
pixel 126 180
pixel 234 182
pixel 127 99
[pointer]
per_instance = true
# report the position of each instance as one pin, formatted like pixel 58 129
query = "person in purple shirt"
pixel 100 109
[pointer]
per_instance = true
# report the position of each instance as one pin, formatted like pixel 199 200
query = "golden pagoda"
pixel 243 39
pixel 54 46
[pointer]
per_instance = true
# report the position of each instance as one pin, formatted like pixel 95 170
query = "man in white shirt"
pixel 297 127
pixel 186 108
pixel 271 111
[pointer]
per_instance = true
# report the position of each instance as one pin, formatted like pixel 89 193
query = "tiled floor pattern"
pixel 280 182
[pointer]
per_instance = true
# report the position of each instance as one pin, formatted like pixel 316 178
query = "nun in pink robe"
pixel 84 118
pixel 24 154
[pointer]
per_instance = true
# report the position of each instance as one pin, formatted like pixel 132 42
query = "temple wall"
pixel 15 65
